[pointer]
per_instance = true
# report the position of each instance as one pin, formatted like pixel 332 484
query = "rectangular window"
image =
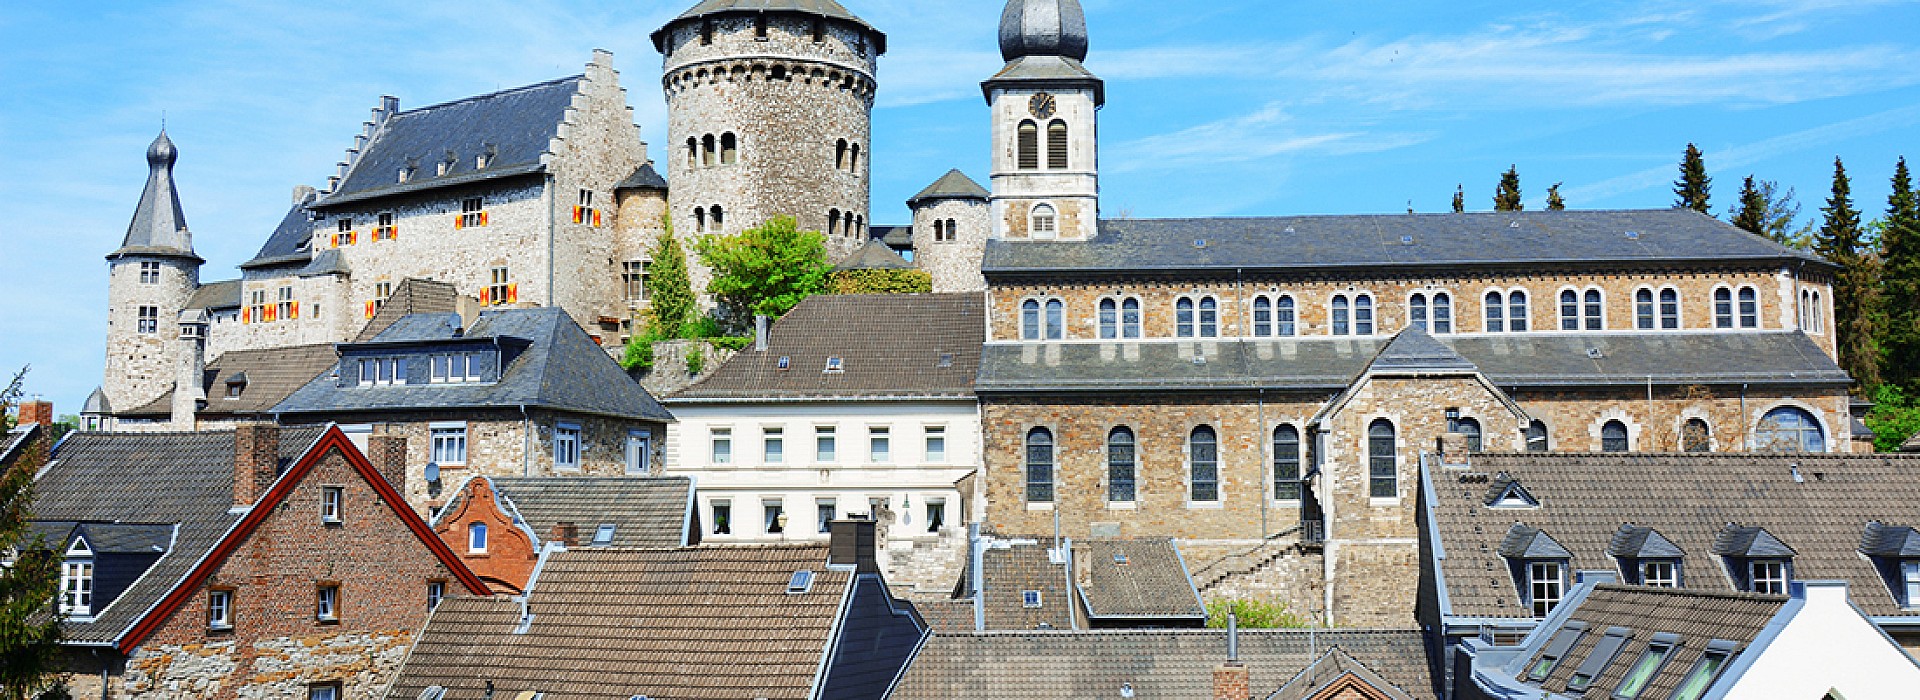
pixel 936 515
pixel 220 610
pixel 149 273
pixel 723 517
pixel 327 604
pixel 1649 663
pixel 826 510
pixel 722 440
pixel 1768 576
pixel 472 213
pixel 1599 659
pixel 76 588
pixel 330 503
pixel 566 446
pixel 477 538
pixel 449 445
pixel 1030 599
pixel 775 517
pixel 386 230
pixel 1557 648
pixel 1705 671
pixel 823 444
pixel 936 444
pixel 1910 582
pixel 149 319
pixel 639 453
pixel 285 307
pixel 1546 586
pixel 256 306
pixel 879 445
pixel 775 441
pixel 499 286
pixel 324 691
pixel 1662 574
pixel 633 278
pixel 436 592
pixel 462 368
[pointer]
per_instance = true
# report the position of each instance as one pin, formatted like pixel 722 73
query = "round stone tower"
pixel 150 280
pixel 769 113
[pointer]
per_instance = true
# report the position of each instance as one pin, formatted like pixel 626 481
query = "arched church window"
pixel 1130 318
pixel 1496 315
pixel 1517 311
pixel 1028 149
pixel 1057 145
pixel 1043 222
pixel 1030 319
pixel 1790 429
pixel 1613 437
pixel 833 222
pixel 1537 436
pixel 1109 319
pixel 1669 309
pixel 1643 309
pixel 1695 436
pixel 717 217
pixel 853 158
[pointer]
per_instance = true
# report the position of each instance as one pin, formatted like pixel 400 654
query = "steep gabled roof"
pixel 643 178
pixel 1524 542
pixel 889 345
pixel 875 255
pixel 266 378
pixel 1412 350
pixel 291 242
pixel 1640 542
pixel 1883 540
pixel 516 126
pixel 413 296
pixel 953 185
pixel 1143 578
pixel 1749 541
pixel 1338 675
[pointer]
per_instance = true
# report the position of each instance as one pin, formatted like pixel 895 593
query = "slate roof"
pixel 645 511
pixel 16 439
pixel 1330 668
pixel 519 124
pixel 97 403
pixel 1699 503
pixel 699 622
pixel 818 8
pixel 895 237
pixel 413 296
pixel 560 368
pixel 1042 71
pixel 1696 617
pixel 1912 444
pixel 270 375
pixel 1479 240
pixel 212 296
pixel 1517 360
pixel 291 241
pixel 953 185
pixel 643 178
pixel 1413 350
pixel 159 226
pixel 1157 663
pixel 875 255
pixel 1152 583
pixel 154 479
pixel 891 346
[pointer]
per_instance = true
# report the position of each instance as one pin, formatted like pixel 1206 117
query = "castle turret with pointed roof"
pixel 151 277
pixel 1046 183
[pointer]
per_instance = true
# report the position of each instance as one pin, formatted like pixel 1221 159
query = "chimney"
pixel 567 534
pixel 302 193
pixel 36 411
pixel 189 382
pixel 760 333
pixel 1453 449
pixel 256 461
pixel 1232 681
pixel 387 451
pixel 851 543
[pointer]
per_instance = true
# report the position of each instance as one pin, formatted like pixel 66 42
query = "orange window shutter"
pixel 596 218
pixel 486 297
pixel 270 314
pixel 576 215
pixel 369 309
pixel 296 310
pixel 246 316
pixel 513 293
pixel 483 218
pixel 459 222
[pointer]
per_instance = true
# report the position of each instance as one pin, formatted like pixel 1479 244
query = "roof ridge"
pixel 1692 593
pixel 490 95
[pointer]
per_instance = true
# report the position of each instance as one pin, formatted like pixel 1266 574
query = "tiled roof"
pixel 1137 578
pixel 1912 444
pixel 1019 566
pixel 699 622
pixel 560 369
pixel 216 295
pixel 1698 503
pixel 271 376
pixel 413 296
pixel 890 345
pixel 896 237
pixel 183 479
pixel 16 439
pixel 518 124
pixel 875 255
pixel 291 241
pixel 645 511
pixel 1518 360
pixel 1156 663
pixel 1329 669
pixel 953 185
pixel 947 615
pixel 1694 616
pixel 1300 244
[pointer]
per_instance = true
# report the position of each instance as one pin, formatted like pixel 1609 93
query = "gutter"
pixel 553 235
pixel 526 442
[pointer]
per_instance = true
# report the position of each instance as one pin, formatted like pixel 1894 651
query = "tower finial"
pixel 1043 28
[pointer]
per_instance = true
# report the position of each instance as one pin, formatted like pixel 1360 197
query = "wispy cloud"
pixel 1257 136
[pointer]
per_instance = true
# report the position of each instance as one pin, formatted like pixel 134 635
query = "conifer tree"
pixel 1459 199
pixel 1841 240
pixel 669 289
pixel 1507 197
pixel 1554 201
pixel 29 636
pixel 1900 280
pixel 1693 186
pixel 1750 214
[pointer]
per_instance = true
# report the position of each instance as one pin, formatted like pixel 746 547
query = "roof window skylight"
pixel 784 364
pixel 800 582
pixel 603 537
pixel 836 365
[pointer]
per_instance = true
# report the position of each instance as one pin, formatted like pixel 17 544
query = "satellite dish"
pixel 433 471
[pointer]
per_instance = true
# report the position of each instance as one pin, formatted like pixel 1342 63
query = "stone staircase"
pixel 1246 561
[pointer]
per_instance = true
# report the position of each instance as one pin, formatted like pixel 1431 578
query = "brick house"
pixel 499 525
pixel 254 561
pixel 509 392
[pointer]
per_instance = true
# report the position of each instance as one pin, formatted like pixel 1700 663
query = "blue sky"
pixel 1221 108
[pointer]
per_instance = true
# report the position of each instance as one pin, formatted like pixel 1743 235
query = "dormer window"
pixel 1767 576
pixel 385 371
pixel 1895 553
pixel 457 368
pixel 236 385
pixel 1646 557
pixel 1557 648
pixel 1756 560
pixel 76 580
pixel 1539 567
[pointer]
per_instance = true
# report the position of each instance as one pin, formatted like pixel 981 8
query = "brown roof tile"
pixel 270 375
pixel 1328 670
pixel 890 345
pixel 413 296
pixel 1151 583
pixel 1696 617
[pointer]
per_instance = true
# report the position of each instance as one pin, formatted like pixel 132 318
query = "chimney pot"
pixel 36 411
pixel 256 461
pixel 853 543
pixel 567 534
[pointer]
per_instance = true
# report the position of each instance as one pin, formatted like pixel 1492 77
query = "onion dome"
pixel 1043 28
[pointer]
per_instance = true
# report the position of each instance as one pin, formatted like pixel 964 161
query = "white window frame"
pixel 447 443
pixel 879 444
pixel 1771 583
pixel 720 446
pixel 436 592
pixel 643 441
pixel 773 445
pixel 1546 583
pixel 220 609
pixel 714 509
pixel 76 580
pixel 330 498
pixel 567 446
pixel 936 505
pixel 825 507
pixel 1661 573
pixel 326 603
pixel 936 435
pixel 1910 583
pixel 1043 222
pixel 827 436
pixel 476 538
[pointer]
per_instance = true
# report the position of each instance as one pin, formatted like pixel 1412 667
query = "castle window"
pixel 708 150
pixel 1723 308
pixel 1043 224
pixel 819 30
pixel 833 222
pixel 1035 326
pixel 1495 313
pixel 1183 318
pixel 1121 463
pixel 729 149
pixel 1342 315
pixel 718 217
pixel 257 306
pixel 1537 440
pixel 706 32
pixel 1028 148
pixel 700 219
pixel 1749 308
pixel 1594 307
pixel 693 152
pixel 1039 466
pixel 1383 463
pixel 472 213
pixel 149 273
pixel 633 277
pixel 286 308
pixel 760 27
pixel 1363 314
pixel 1203 451
pixel 1695 436
pixel 939 231
pixel 1286 463
pixel 500 291
pixel 840 155
pixel 953 230
pixel 150 319
pixel 853 158
pixel 1057 145
pixel 1643 309
pixel 1789 429
pixel 566 446
pixel 1669 309
pixel 1613 437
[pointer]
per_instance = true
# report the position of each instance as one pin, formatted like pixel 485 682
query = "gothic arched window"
pixel 1286 463
pixel 1121 463
pixel 1203 452
pixel 1613 437
pixel 1383 464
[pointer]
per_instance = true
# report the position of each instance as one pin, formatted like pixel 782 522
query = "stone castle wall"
pixel 953 263
pixel 141 366
pixel 597 146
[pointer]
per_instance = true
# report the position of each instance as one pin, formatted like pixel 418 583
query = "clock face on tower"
pixel 1042 105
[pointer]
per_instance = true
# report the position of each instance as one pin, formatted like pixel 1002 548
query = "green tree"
pixel 1895 418
pixel 1459 198
pixel 1842 241
pixel 1507 197
pixel 1900 283
pixel 1764 210
pixel 669 288
pixel 1554 201
pixel 764 270
pixel 1692 189
pixel 29 623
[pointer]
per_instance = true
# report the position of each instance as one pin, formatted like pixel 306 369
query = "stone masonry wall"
pixel 276 647
pixel 954 264
pixel 597 146
pixel 326 314
pixel 141 366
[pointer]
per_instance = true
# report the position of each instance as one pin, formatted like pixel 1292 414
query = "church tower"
pixel 769 113
pixel 1046 175
pixel 150 279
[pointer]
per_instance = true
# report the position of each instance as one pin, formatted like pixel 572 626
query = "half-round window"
pixel 1790 429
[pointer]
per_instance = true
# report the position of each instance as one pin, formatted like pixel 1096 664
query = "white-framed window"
pixel 220 610
pixel 1431 313
pixel 436 592
pixel 326 606
pixel 1722 307
pixel 477 538
pixel 1274 316
pixel 1767 576
pixel 1119 318
pixel 774 516
pixel 1546 585
pixel 76 580
pixel 330 497
pixel 633 279
pixel 1789 429
pixel 457 368
pixel 1197 317
pixel 1749 308
pixel 722 517
pixel 1582 310
pixel 826 511
pixel 1662 573
pixel 1910 582
pixel 936 514
pixel 384 371
pixel 1044 221
pixel 1203 465
pixel 1039 465
pixel 149 273
pixel 936 444
pixel 1383 460
pixel 449 442
pixel 499 286
pixel 721 440
pixel 1030 598
pixel 879 445
pixel 773 445
pixel 639 452
pixel 566 446
pixel 324 691
pixel 1042 320
pixel 1351 315
pixel 825 449
pixel 149 320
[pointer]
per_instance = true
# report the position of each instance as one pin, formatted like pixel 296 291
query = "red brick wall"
pixel 510 554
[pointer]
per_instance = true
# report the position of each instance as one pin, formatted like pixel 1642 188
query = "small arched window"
pixel 1203 452
pixel 1569 310
pixel 1109 319
pixel 1790 429
pixel 840 155
pixel 1286 463
pixel 1669 309
pixel 1183 318
pixel 1595 305
pixel 1443 313
pixel 939 231
pixel 1057 145
pixel 1517 312
pixel 1262 317
pixel 1749 308
pixel 1030 320
pixel 1471 428
pixel 1723 308
pixel 1056 319
pixel 1496 316
pixel 1042 222
pixel 729 149
pixel 853 158
pixel 1283 317
pixel 700 219
pixel 1363 314
pixel 693 152
pixel 1417 312
pixel 1613 437
pixel 1643 309
pixel 953 230
pixel 1209 317
pixel 477 537
pixel 1342 315
pixel 1130 318
pixel 718 217
pixel 1121 464
pixel 1819 315
pixel 1039 466
pixel 708 150
pixel 833 222
pixel 1695 436
pixel 1027 151
pixel 1537 440
pixel 1383 464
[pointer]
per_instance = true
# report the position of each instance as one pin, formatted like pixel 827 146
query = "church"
pixel 1264 389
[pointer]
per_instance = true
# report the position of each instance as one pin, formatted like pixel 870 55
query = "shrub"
pixel 1253 613
pixel 696 360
